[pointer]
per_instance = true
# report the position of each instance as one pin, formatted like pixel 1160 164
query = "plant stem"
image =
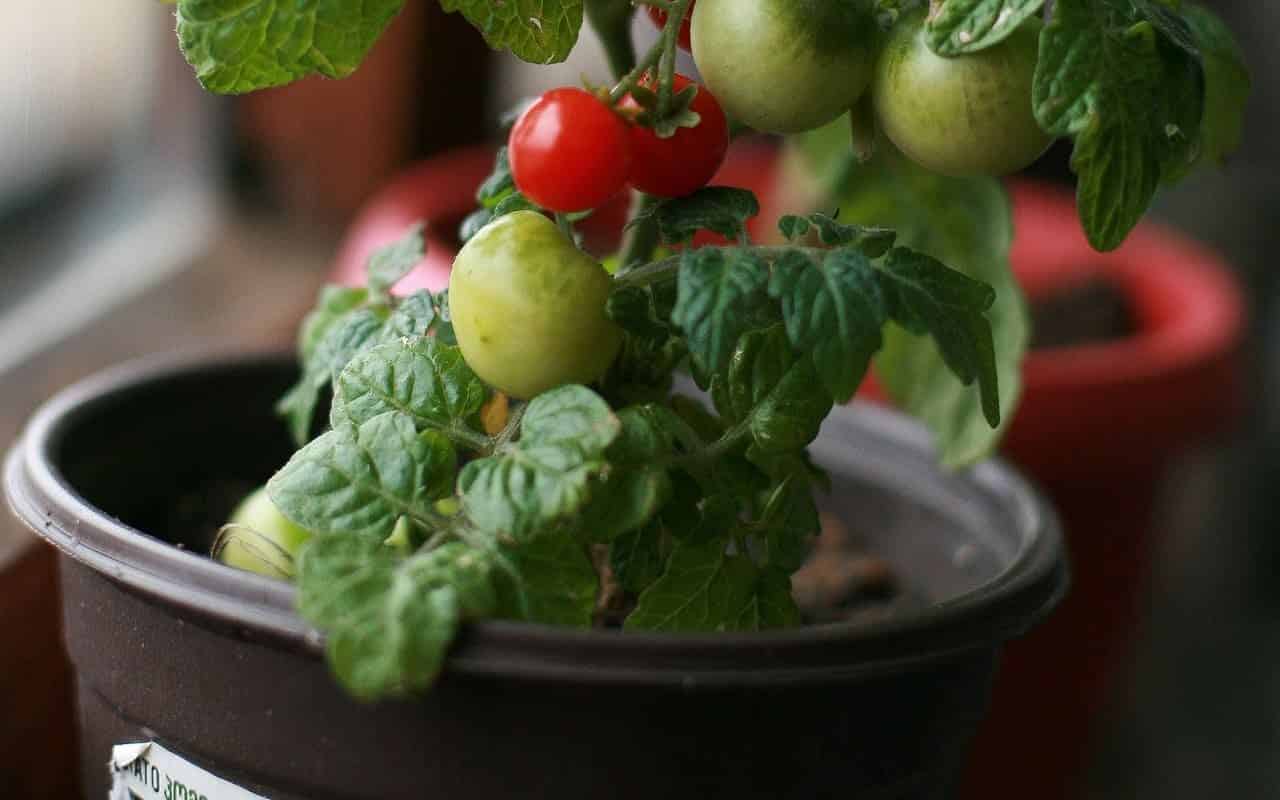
pixel 667 65
pixel 611 20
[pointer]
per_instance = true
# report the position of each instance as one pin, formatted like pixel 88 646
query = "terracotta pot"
pixel 215 666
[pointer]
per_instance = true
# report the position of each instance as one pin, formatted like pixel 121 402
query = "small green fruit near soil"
pixel 258 538
pixel 528 307
pixel 962 116
pixel 784 66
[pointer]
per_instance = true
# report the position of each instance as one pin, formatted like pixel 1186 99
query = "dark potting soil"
pixel 1088 312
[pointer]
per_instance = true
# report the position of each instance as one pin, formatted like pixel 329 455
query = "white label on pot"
pixel 147 771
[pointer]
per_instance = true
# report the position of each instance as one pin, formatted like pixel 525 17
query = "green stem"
pixel 667 65
pixel 611 20
pixel 469 439
pixel 627 82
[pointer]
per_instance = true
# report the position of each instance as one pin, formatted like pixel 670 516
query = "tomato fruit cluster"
pixel 572 152
pixel 787 66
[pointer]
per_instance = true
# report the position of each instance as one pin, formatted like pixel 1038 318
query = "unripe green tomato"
pixel 258 538
pixel 784 66
pixel 528 307
pixel 967 115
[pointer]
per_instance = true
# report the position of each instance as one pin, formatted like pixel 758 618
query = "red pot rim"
pixel 1188 308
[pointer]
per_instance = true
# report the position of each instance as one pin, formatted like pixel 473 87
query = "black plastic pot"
pixel 214 664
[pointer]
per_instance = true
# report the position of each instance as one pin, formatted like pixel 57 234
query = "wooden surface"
pixel 246 294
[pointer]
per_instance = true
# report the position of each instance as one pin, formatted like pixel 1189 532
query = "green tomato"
pixel 260 539
pixel 528 307
pixel 967 115
pixel 784 66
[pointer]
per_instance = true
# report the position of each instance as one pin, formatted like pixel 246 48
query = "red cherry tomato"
pixel 569 151
pixel 659 18
pixel 685 162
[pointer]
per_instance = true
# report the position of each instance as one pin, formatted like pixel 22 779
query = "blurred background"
pixel 138 214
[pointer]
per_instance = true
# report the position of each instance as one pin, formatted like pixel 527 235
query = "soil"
pixel 1092 311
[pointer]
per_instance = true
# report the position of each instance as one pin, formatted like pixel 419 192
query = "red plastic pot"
pixel 1098 426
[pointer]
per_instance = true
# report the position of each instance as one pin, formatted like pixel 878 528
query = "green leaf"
pixel 926 297
pixel 360 480
pixel 965 223
pixel 720 209
pixel 342 339
pixel 412 319
pixel 546 475
pixel 238 46
pixel 769 390
pixel 873 242
pixel 388 620
pixel 790 521
pixel 967 26
pixel 558 581
pixel 332 305
pixel 636 557
pixel 717 290
pixel 1131 103
pixel 392 262
pixel 423 378
pixel 635 486
pixel 500 184
pixel 1226 80
pixel 705 589
pixel 537 31
pixel 833 313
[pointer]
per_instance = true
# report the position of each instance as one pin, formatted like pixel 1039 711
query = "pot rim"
pixel 1032 584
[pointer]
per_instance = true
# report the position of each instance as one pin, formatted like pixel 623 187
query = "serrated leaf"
pixel 635 486
pixel 716 292
pixel 342 339
pixel 705 589
pixel 769 390
pixel 720 209
pixel 423 378
pixel 389 621
pixel 537 31
pixel 558 580
pixel 1104 78
pixel 332 305
pixel 359 480
pixel 412 319
pixel 546 475
pixel 926 297
pixel 966 224
pixel 390 263
pixel 239 46
pixel 967 26
pixel 793 227
pixel 790 521
pixel 833 313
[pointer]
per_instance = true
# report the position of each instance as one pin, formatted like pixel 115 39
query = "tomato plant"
pixel 528 307
pixel 483 441
pixel 685 161
pixel 569 151
pixel 966 115
pixel 782 66
pixel 659 18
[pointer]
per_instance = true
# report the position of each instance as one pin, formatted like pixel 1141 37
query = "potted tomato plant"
pixel 573 529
